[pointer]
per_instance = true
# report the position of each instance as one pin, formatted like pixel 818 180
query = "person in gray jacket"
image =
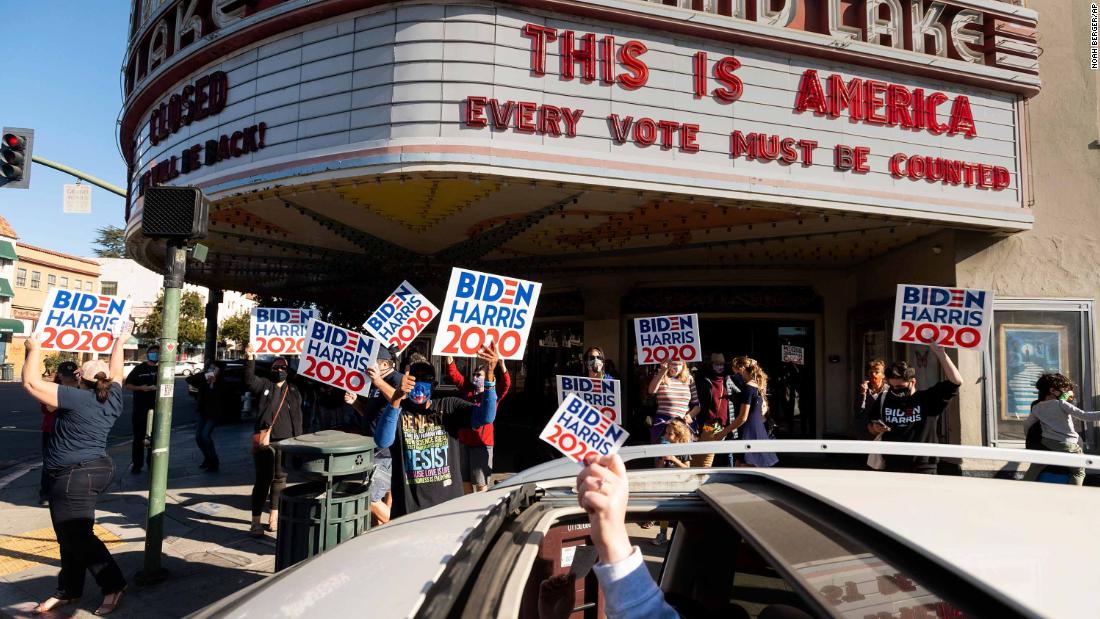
pixel 1056 414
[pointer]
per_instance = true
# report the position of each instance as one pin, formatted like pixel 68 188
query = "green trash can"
pixel 7 371
pixel 332 508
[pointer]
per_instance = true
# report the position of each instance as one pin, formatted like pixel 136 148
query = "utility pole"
pixel 175 270
pixel 178 215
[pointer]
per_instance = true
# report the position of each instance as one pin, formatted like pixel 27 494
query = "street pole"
pixel 210 349
pixel 176 269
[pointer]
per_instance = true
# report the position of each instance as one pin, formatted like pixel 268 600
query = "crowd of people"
pixel 432 447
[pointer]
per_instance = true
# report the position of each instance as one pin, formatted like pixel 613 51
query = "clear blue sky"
pixel 65 58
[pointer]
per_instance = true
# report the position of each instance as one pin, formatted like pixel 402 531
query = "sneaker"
pixel 660 540
pixel 43 501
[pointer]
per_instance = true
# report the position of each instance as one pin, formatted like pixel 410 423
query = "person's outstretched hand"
pixel 602 492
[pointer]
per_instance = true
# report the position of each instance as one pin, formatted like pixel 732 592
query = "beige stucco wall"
pixel 1059 257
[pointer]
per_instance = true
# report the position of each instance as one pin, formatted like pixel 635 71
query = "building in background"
pixel 778 168
pixel 37 271
pixel 9 327
pixel 126 278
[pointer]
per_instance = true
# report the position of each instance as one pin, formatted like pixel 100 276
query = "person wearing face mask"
pixel 280 409
pixel 596 364
pixel 209 397
pixel 714 400
pixel 423 433
pixel 903 415
pixel 1054 414
pixel 142 382
pixel 476 446
pixel 674 387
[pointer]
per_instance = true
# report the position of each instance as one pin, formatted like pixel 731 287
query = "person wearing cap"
pixel 142 382
pixel 66 374
pixel 714 401
pixel 280 410
pixel 370 409
pixel 79 469
pixel 423 432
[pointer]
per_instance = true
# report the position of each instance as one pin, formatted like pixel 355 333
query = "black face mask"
pixel 279 375
pixel 899 391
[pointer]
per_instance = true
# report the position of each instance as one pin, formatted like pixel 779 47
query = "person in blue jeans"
pixel 80 470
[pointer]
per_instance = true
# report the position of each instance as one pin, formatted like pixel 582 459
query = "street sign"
pixel 77 198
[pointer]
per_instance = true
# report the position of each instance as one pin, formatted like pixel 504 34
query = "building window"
pixel 21 278
pixel 108 288
pixel 78 285
pixel 88 286
pixel 1032 337
pixel 51 282
pixel 64 282
pixel 36 280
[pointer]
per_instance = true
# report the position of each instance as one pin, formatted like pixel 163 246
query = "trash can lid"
pixel 327 442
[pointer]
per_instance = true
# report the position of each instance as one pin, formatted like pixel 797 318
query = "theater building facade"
pixel 776 166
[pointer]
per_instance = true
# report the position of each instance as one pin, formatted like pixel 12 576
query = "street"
pixel 21 419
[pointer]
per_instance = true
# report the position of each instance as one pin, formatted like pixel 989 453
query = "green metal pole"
pixel 162 421
pixel 115 189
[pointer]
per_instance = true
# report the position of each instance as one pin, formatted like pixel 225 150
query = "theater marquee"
pixel 894 107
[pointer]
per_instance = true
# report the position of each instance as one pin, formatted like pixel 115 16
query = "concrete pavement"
pixel 207 550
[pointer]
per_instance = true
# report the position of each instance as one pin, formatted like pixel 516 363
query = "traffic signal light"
pixel 15 157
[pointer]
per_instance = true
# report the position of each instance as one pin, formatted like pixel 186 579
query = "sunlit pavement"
pixel 207 550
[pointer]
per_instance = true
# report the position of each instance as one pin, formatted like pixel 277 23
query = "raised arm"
pixel 254 383
pixel 456 377
pixel 1077 413
pixel 41 390
pixel 504 381
pixel 118 353
pixel 655 383
pixel 950 372
pixel 385 431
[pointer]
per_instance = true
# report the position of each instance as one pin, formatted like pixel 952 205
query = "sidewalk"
pixel 206 549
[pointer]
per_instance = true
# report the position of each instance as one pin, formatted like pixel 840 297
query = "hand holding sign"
pixel 34 342
pixel 408 383
pixel 488 354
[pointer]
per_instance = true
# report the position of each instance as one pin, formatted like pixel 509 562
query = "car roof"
pixel 1014 537
pixel 396 564
pixel 999 532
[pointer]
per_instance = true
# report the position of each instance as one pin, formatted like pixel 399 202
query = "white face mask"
pixel 718 368
pixel 675 369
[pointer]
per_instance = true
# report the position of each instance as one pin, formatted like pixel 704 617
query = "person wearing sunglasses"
pixel 596 364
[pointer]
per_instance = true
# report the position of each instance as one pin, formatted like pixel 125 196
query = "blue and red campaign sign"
pixel 81 322
pixel 482 308
pixel 337 356
pixel 950 317
pixel 401 317
pixel 578 429
pixel 603 393
pixel 668 338
pixel 279 331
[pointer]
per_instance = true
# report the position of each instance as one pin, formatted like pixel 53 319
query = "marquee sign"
pixel 522 90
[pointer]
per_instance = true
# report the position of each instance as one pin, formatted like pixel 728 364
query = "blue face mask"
pixel 422 392
pixel 153 357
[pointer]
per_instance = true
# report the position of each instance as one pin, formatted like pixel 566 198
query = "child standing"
pixel 676 431
pixel 1056 414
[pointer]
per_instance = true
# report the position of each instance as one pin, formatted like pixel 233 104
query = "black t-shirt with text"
pixel 912 419
pixel 425 452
